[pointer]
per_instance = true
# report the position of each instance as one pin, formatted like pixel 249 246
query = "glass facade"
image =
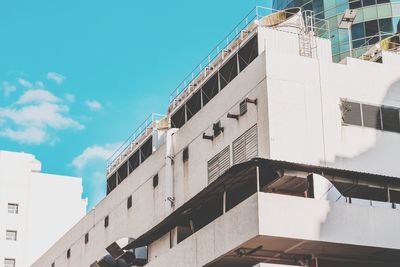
pixel 376 20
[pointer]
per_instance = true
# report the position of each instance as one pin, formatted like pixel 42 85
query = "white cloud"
pixel 35 118
pixel 25 83
pixel 93 105
pixel 8 88
pixel 30 135
pixel 92 154
pixel 69 97
pixel 39 84
pixel 37 96
pixel 54 76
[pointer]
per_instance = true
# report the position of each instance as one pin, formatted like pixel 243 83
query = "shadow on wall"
pixel 382 155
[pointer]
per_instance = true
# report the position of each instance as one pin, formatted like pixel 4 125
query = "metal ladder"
pixel 307 42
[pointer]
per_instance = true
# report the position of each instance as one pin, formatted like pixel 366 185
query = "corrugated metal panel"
pixel 245 147
pixel 218 164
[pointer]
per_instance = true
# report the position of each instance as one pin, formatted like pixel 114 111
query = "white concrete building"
pixel 36 208
pixel 271 155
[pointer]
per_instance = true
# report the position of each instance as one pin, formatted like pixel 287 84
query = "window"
pixel 357 31
pixel 106 221
pixel 210 89
pixel 9 262
pixel 178 118
pixel 386 25
pixel 111 183
pixel 193 105
pixel 146 149
pixel 185 154
pixel 155 180
pixel 371 116
pixel 248 53
pixel 11 235
pixel 371 28
pixel 53 264
pixel 12 208
pixel 351 113
pixel 86 238
pixel 368 2
pixel 68 253
pixel 129 202
pixel 390 119
pixel 122 172
pixel 377 117
pixel 228 71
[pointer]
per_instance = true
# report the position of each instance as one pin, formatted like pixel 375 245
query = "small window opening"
pixel 68 253
pixel 106 221
pixel 155 181
pixel 13 208
pixel 185 154
pixel 86 238
pixel 129 202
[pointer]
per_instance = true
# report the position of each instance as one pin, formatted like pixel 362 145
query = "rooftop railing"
pixel 255 14
pixel 129 143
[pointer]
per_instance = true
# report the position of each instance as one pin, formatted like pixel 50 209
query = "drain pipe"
pixel 169 199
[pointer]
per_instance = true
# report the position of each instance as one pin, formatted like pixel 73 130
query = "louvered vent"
pixel 218 164
pixel 245 147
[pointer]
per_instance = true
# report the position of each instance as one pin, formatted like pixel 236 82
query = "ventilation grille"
pixel 245 147
pixel 218 164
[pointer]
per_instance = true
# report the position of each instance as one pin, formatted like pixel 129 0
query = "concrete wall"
pixel 48 206
pixel 304 110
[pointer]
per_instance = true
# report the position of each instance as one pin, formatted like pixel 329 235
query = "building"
pixel 36 208
pixel 270 154
pixel 375 20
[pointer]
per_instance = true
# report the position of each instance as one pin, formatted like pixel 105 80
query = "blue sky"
pixel 77 77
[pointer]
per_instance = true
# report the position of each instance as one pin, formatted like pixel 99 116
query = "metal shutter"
pixel 245 147
pixel 218 164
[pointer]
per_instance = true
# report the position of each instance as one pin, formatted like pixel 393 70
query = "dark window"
pixel 357 31
pixel 146 149
pixel 68 253
pixel 358 43
pixel 228 71
pixel 355 4
pixel 210 89
pixel 390 119
pixel 368 2
pixel 155 180
pixel 111 183
pixel 193 105
pixel 386 25
pixel 185 154
pixel 53 264
pixel 374 40
pixel 133 162
pixel 178 118
pixel 371 116
pixel 129 202
pixel 106 221
pixel 86 238
pixel 351 113
pixel 122 172
pixel 382 1
pixel 371 28
pixel 248 53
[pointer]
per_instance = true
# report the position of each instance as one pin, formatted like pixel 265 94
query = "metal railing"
pixel 256 13
pixel 130 142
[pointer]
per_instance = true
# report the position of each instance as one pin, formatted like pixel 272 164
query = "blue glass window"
pixel 357 31
pixel 368 2
pixel 386 25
